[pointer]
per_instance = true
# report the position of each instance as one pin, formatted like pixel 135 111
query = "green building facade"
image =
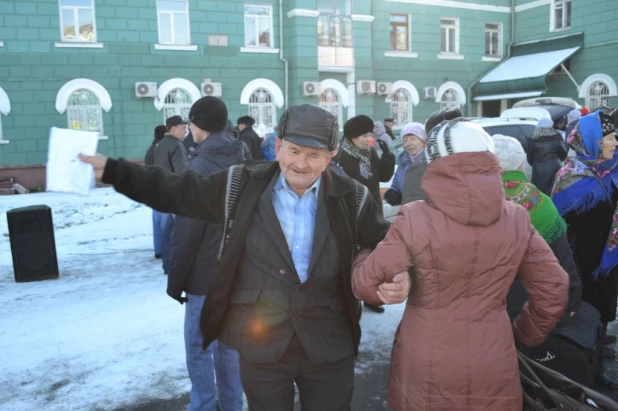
pixel 120 67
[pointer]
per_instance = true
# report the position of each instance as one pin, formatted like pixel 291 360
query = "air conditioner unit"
pixel 311 88
pixel 385 89
pixel 430 92
pixel 366 87
pixel 211 89
pixel 145 89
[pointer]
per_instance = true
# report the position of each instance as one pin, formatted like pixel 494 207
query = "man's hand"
pixel 98 161
pixel 397 291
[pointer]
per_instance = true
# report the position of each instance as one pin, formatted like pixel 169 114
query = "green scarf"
pixel 543 212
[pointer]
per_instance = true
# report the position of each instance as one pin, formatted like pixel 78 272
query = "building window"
pixel 400 32
pixel 597 96
pixel 335 23
pixel 177 103
pixel 263 109
pixel 258 25
pixel 561 14
pixel 449 100
pixel 173 17
pixel 493 40
pixel 330 101
pixel 401 107
pixel 449 29
pixel 77 22
pixel 84 111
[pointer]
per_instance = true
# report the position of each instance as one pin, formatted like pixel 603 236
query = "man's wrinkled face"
pixel 301 166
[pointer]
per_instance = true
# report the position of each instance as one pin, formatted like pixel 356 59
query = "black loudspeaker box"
pixel 31 231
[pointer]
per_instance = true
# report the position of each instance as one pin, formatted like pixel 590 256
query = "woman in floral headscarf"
pixel 585 194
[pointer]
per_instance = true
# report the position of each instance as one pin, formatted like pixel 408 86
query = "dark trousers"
pixel 322 387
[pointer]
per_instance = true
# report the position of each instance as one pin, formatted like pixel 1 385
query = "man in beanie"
pixel 249 136
pixel 159 132
pixel 283 296
pixel 194 261
pixel 170 155
pixel 410 167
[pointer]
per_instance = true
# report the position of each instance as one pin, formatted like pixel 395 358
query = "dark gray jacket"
pixel 195 243
pixel 170 154
pixel 412 182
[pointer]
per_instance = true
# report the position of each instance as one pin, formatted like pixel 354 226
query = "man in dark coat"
pixel 389 123
pixel 159 132
pixel 170 155
pixel 283 295
pixel 194 262
pixel 546 152
pixel 250 137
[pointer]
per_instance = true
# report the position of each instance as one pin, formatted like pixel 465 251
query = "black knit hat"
pixel 357 126
pixel 209 113
pixel 439 116
pixel 248 120
pixel 159 132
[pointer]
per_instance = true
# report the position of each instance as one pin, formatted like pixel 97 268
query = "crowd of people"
pixel 273 257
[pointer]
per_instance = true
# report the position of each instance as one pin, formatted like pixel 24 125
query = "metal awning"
pixel 524 74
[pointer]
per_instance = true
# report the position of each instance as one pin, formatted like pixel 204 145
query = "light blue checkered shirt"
pixel 297 218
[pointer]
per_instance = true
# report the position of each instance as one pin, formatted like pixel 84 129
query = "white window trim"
pixel 457 40
pixel 409 87
pixel 401 54
pixel 272 26
pixel 264 50
pixel 266 84
pixel 585 86
pixel 1 43
pixel 78 45
pixel 461 93
pixel 175 47
pixel 450 57
pixel 552 16
pixel 303 13
pixel 500 34
pixel 62 98
pixel 172 84
pixel 409 50
pixel 5 109
pixel 339 87
pixel 171 13
pixel 75 8
pixel 367 18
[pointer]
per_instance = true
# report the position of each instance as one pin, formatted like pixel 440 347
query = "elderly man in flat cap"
pixel 283 296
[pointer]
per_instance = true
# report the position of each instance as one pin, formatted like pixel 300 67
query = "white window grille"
pixel 173 18
pixel 77 22
pixel 84 112
pixel 401 107
pixel 258 25
pixel 449 100
pixel 263 109
pixel 598 95
pixel 561 14
pixel 177 103
pixel 329 100
pixel 493 40
pixel 449 30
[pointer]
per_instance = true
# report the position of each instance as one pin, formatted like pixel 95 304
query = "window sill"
pixel 1 43
pixel 265 50
pixel 4 141
pixel 490 58
pixel 78 45
pixel 176 47
pixel 450 57
pixel 103 138
pixel 559 30
pixel 363 17
pixel 401 54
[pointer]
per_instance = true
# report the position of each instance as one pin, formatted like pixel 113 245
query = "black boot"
pixel 376 308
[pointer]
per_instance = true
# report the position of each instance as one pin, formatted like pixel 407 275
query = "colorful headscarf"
pixel 587 179
pixel 542 211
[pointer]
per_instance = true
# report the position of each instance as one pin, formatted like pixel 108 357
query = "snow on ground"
pixel 105 335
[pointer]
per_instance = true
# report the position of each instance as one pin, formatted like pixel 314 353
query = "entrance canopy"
pixel 524 74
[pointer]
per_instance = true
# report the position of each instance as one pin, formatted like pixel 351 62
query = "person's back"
pixel 455 348
pixel 546 152
pixel 170 153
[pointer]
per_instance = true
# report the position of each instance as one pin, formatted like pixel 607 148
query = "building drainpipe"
pixel 508 55
pixel 285 62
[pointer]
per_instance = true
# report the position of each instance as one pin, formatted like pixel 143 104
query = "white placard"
pixel 65 172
